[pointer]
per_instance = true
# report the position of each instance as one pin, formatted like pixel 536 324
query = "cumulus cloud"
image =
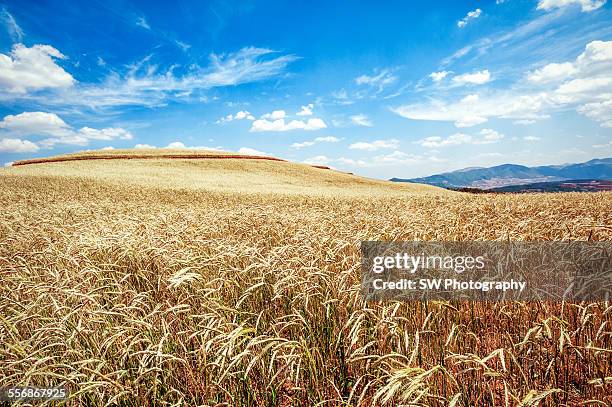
pixel 552 72
pixel 275 115
pixel 585 5
pixel 35 123
pixel 598 111
pixel 361 120
pixel 485 136
pixel 15 145
pixel 438 76
pixel 472 15
pixel 394 158
pixel 251 151
pixel 280 125
pixel 531 138
pixel 476 78
pixel 34 68
pixel 56 130
pixel 375 145
pixel 109 133
pixel 241 115
pixel 306 110
pixel 318 160
pixel 584 84
pixel 310 143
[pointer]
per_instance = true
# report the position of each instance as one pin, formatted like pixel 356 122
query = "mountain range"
pixel 512 174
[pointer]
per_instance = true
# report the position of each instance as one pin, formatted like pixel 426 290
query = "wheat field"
pixel 236 283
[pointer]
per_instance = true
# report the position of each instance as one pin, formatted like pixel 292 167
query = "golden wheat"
pixel 140 295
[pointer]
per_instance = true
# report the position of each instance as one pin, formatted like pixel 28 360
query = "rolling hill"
pixel 209 170
pixel 512 174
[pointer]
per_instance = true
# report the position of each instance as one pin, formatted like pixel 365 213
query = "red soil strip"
pixel 323 167
pixel 143 156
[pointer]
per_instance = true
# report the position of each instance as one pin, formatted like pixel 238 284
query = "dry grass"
pixel 189 296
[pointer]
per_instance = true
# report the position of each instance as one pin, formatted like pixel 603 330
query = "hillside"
pixel 237 281
pixel 209 170
pixel 512 174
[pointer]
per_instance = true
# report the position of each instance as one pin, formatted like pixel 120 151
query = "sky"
pixel 391 89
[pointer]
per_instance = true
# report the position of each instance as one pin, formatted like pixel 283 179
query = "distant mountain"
pixel 585 185
pixel 512 174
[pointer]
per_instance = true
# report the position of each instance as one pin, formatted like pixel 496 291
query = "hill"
pixel 237 281
pixel 512 174
pixel 209 170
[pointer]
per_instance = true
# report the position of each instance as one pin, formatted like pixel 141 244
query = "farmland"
pixel 236 282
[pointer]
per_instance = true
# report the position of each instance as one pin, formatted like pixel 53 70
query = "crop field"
pixel 236 283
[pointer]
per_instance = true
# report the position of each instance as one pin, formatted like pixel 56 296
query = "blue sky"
pixel 400 90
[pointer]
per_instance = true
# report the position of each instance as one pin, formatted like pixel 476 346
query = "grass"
pixel 202 292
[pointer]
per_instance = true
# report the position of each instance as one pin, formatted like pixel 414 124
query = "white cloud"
pixel 34 68
pixel 585 5
pixel 318 160
pixel 502 104
pixel 8 164
pixel 531 138
pixel 489 136
pixel 306 110
pixel 247 65
pixel 144 83
pixel 584 84
pixel 143 146
pixel 436 141
pixel 109 133
pixel 12 27
pixel 341 97
pixel 251 151
pixel 598 111
pixel 472 15
pixel 35 123
pixel 275 115
pixel 15 145
pixel 552 73
pixel 605 145
pixel 380 81
pixel 176 144
pixel 477 78
pixel 310 143
pixel 182 45
pixel 486 136
pixel 281 125
pixel 469 121
pixel 470 99
pixel 327 139
pixel 375 145
pixel 57 130
pixel 142 22
pixel 524 122
pixel 108 148
pixel 361 120
pixel 438 76
pixel 396 158
pixel 241 115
